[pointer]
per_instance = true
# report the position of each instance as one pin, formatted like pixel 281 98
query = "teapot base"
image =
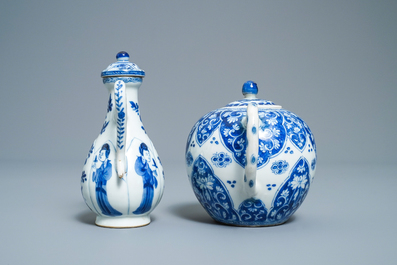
pixel 122 222
pixel 253 225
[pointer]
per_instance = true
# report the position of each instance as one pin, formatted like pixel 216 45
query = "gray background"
pixel 333 63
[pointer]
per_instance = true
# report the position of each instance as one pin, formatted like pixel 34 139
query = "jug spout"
pixel 120 100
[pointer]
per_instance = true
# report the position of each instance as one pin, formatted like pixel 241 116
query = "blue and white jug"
pixel 251 163
pixel 122 179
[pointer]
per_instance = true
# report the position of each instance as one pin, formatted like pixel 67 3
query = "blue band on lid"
pixel 122 67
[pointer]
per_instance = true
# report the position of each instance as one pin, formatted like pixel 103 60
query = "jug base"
pixel 122 222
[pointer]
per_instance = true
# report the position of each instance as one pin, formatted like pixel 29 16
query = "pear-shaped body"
pixel 122 179
pixel 262 186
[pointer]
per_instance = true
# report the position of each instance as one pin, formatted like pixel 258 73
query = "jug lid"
pixel 250 89
pixel 122 67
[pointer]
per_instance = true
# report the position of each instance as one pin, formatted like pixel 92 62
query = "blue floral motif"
pixel 233 134
pixel 221 159
pixel 134 106
pixel 211 193
pixel 252 211
pixel 279 167
pixel 292 192
pixel 189 159
pixel 105 124
pixel 206 126
pixel 275 126
pixel 121 114
pixel 296 129
pixel 271 135
pixel 216 200
pixel 83 177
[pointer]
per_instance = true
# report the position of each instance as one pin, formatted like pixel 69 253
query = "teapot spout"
pixel 251 150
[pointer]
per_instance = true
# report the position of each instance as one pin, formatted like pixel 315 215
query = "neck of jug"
pixel 130 102
pixel 132 85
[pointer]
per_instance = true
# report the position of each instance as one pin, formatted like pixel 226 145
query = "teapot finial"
pixel 122 56
pixel 250 89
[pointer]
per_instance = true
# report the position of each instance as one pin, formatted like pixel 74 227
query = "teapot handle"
pixel 252 149
pixel 120 100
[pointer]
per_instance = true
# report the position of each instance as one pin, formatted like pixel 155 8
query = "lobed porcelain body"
pixel 122 179
pixel 283 165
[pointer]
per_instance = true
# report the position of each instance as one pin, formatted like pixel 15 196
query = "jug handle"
pixel 120 100
pixel 252 149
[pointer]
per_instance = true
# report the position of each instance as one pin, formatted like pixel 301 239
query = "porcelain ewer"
pixel 123 179
pixel 251 163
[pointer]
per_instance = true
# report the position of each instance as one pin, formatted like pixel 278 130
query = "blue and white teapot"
pixel 122 179
pixel 251 163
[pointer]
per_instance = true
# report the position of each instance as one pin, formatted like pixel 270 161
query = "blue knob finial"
pixel 250 87
pixel 122 56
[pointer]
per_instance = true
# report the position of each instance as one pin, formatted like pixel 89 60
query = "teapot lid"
pixel 250 89
pixel 122 67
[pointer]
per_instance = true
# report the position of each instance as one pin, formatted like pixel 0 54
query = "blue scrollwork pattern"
pixel 206 126
pixel 275 127
pixel 292 193
pixel 233 133
pixel 189 159
pixel 252 211
pixel 124 79
pixel 211 193
pixel 296 129
pixel 272 134
pixel 215 198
